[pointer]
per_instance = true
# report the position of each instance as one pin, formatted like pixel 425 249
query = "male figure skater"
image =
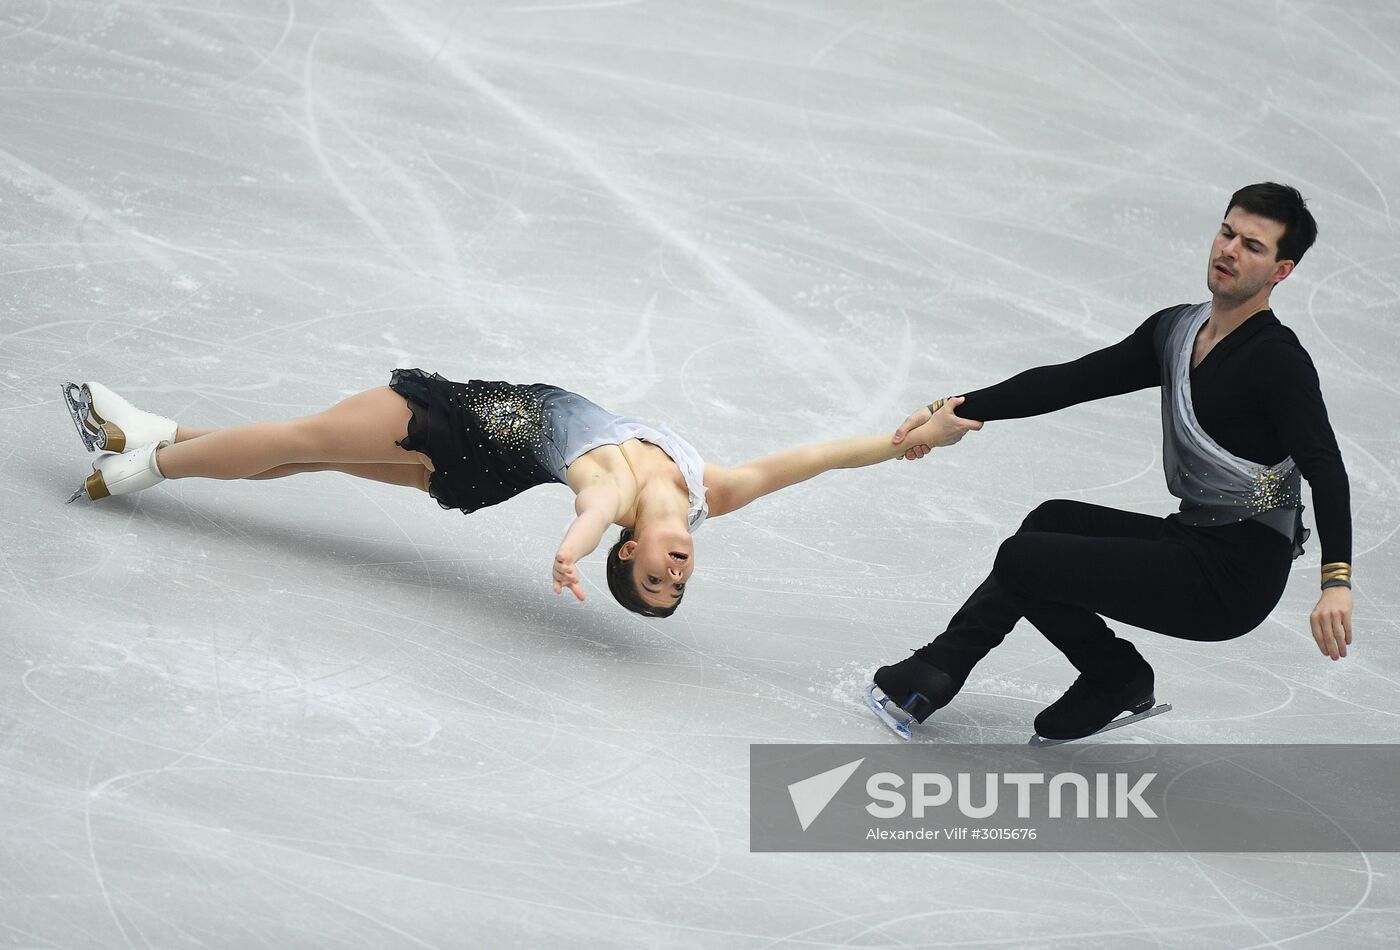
pixel 1242 417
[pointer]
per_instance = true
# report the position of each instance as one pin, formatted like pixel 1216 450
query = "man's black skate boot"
pixel 917 687
pixel 1090 704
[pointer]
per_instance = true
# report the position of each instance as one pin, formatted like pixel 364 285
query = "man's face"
pixel 1242 256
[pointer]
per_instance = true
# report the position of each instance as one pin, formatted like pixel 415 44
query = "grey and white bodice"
pixel 576 426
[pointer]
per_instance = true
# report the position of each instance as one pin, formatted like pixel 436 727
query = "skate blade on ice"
pixel 876 700
pixel 79 401
pixel 1040 741
pixel 93 487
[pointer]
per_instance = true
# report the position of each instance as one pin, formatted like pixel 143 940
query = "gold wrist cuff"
pixel 936 405
pixel 1328 567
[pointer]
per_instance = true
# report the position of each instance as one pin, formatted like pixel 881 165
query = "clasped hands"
pixel 925 429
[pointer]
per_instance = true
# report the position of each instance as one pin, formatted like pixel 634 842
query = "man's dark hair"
pixel 1284 204
pixel 623 584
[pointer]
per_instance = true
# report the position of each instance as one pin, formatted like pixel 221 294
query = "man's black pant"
pixel 1071 562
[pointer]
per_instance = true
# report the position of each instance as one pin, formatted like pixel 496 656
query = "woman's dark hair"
pixel 623 584
pixel 1285 205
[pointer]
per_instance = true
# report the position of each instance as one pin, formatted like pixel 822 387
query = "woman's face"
pixel 661 565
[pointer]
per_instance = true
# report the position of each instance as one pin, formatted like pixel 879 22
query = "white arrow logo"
pixel 811 795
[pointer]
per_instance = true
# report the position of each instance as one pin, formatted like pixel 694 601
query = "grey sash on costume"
pixel 1215 486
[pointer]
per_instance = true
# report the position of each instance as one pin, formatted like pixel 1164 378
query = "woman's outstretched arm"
pixel 729 489
pixel 595 508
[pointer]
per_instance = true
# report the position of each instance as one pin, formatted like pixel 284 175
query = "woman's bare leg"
pixel 415 475
pixel 412 472
pixel 411 475
pixel 359 430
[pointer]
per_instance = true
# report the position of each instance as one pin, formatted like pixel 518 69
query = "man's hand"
pixel 1331 622
pixel 566 575
pixel 924 430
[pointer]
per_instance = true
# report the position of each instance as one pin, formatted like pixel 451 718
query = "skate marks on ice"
pixel 247 202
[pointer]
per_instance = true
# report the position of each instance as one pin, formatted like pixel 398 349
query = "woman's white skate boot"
pixel 108 423
pixel 122 474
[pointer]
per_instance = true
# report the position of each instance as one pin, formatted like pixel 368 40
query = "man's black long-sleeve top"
pixel 1256 394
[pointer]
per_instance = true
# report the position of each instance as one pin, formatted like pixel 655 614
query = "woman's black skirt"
pixel 487 440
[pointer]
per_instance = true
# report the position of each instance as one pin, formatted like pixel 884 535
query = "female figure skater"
pixel 475 444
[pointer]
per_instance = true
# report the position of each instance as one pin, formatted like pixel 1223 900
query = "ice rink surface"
pixel 321 711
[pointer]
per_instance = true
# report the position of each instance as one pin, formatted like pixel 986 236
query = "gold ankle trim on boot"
pixel 113 439
pixel 95 487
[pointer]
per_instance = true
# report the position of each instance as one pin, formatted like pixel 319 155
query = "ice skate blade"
pixel 876 703
pixel 1040 741
pixel 76 495
pixel 79 402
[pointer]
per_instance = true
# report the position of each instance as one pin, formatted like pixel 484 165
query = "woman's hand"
pixel 566 575
pixel 1331 622
pixel 924 430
